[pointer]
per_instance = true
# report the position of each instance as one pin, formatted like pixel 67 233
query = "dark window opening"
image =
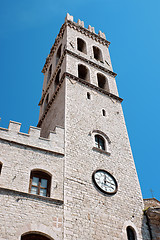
pixel 103 112
pixel 40 183
pixel 81 45
pixel 130 233
pixel 57 78
pixel 34 236
pixel 97 53
pixel 102 82
pixel 0 167
pixel 99 142
pixel 46 102
pixel 49 73
pixel 58 55
pixel 88 95
pixel 83 72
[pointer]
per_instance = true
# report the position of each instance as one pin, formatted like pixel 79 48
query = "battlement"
pixel 81 23
pixel 79 26
pixel 54 142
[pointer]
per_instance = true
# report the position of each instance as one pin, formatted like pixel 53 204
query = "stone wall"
pixel 88 213
pixel 20 154
pixel 152 211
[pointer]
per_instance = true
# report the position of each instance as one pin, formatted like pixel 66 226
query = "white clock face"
pixel 104 181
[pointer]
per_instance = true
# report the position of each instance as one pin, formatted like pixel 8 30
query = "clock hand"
pixel 104 179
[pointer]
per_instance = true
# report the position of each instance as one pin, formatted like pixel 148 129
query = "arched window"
pixel 130 233
pixel 49 73
pixel 58 55
pixel 81 45
pixel 83 72
pixel 40 183
pixel 99 142
pixel 34 236
pixel 57 78
pixel 97 53
pixel 46 102
pixel 102 82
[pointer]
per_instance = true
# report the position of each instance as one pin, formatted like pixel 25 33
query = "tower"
pixel 81 96
pixel 77 174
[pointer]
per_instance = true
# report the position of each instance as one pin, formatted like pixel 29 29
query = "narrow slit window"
pixel 57 78
pixel 103 112
pixel 49 73
pixel 46 102
pixel 0 167
pixel 88 95
pixel 58 55
pixel 81 45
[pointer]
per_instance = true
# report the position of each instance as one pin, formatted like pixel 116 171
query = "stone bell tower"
pixel 102 196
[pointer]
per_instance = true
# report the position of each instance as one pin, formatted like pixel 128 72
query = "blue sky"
pixel 27 32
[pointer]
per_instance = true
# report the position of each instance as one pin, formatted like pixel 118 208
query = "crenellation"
pixel 34 131
pixel 69 17
pixel 91 29
pixel 54 142
pixel 73 176
pixel 101 34
pixel 80 23
pixel 14 126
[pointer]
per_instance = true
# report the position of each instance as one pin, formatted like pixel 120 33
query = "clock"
pixel 104 182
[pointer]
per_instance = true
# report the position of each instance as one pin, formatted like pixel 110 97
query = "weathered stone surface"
pixel 75 209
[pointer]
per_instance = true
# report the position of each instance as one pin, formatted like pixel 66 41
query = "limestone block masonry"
pixel 81 129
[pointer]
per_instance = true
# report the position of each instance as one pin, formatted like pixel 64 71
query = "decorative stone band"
pixel 28 196
pixel 92 63
pixel 78 27
pixel 54 143
pixel 88 32
pixel 54 47
pixel 70 76
pixel 78 57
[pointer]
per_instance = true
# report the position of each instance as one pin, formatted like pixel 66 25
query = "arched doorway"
pixel 34 236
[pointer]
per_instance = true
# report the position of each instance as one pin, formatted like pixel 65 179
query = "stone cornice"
pixel 23 195
pixel 91 63
pixel 78 28
pixel 70 76
pixel 93 86
pixel 88 33
pixel 54 47
pixel 78 57
pixel 53 77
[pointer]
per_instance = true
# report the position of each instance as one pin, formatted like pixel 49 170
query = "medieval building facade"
pixel 73 176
